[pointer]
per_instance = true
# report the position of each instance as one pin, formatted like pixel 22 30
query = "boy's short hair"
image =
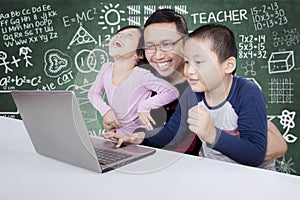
pixel 168 16
pixel 140 52
pixel 222 38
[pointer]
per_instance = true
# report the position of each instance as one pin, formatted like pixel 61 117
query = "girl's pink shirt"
pixel 132 96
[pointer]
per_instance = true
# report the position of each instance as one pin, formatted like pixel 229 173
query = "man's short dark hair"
pixel 168 16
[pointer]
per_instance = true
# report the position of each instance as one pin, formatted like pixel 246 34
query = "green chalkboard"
pixel 61 45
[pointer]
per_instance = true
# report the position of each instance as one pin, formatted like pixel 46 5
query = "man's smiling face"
pixel 165 62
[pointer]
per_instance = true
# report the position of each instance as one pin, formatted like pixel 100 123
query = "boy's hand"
pixel 110 122
pixel 146 119
pixel 200 122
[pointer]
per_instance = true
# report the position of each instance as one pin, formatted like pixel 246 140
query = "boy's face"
pixel 202 69
pixel 124 43
pixel 169 62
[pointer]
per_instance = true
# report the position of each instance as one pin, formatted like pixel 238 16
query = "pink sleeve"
pixel 166 93
pixel 95 93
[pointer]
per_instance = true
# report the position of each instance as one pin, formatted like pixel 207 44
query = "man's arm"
pixel 158 138
pixel 166 134
pixel 276 146
pixel 176 129
pixel 171 134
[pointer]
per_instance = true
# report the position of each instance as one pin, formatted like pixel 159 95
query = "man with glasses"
pixel 164 31
pixel 163 34
pixel 165 47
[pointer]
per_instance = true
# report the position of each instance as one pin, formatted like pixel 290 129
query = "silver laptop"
pixel 57 129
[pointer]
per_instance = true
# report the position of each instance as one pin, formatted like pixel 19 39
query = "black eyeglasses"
pixel 165 47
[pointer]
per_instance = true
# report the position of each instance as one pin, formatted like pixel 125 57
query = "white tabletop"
pixel 24 174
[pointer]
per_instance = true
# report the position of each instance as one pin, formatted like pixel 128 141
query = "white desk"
pixel 25 174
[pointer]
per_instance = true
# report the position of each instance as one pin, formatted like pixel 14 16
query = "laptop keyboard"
pixel 106 156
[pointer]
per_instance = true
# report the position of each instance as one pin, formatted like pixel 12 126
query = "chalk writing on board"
pixel 234 16
pixel 285 166
pixel 280 62
pixel 286 37
pixel 268 16
pixel 56 63
pixel 87 61
pixel 103 40
pixel 135 12
pixel 88 112
pixel 4 63
pixel 89 15
pixel 112 15
pixel 106 18
pixel 251 46
pixel 25 51
pixel 28 25
pixel 80 89
pixel 85 106
pixel 10 82
pixel 134 15
pixel 82 37
pixel 9 66
pixel 19 81
pixel 249 68
pixel 281 91
pixel 287 121
pixel 62 80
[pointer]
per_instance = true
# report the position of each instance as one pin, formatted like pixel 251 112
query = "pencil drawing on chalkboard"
pixel 80 89
pixel 86 108
pixel 281 91
pixel 286 37
pixel 25 51
pixel 287 121
pixel 87 61
pixel 280 62
pixel 81 37
pixel 112 17
pixel 88 112
pixel 3 62
pixel 249 68
pixel 56 63
pixel 285 166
